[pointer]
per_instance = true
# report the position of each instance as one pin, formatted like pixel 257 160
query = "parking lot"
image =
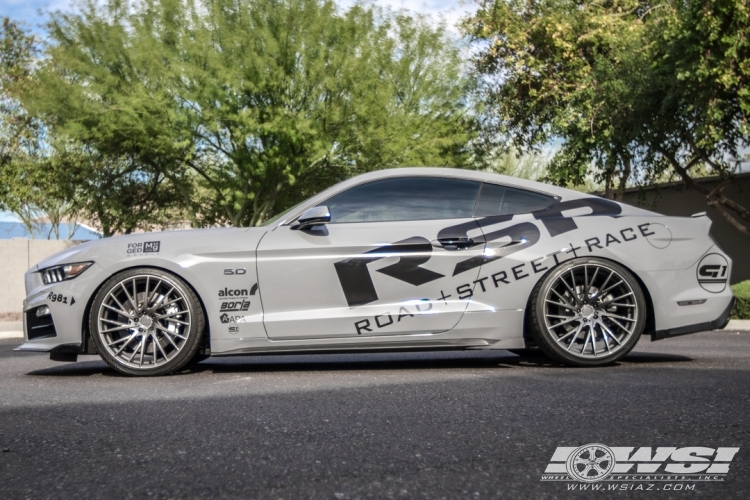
pixel 473 424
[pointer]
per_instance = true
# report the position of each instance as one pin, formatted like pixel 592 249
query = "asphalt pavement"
pixel 469 424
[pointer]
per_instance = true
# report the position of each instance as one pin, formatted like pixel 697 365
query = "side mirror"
pixel 316 216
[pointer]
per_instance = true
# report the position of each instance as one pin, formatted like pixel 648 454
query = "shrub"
pixel 742 305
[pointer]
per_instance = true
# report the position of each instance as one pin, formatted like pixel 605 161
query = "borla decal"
pixel 236 305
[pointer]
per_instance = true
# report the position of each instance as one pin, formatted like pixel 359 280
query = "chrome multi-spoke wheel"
pixel 146 321
pixel 588 312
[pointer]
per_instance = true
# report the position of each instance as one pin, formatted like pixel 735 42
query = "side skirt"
pixel 402 346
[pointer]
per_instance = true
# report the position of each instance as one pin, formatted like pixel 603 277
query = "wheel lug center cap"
pixel 587 311
pixel 146 321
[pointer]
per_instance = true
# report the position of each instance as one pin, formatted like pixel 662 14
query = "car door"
pixel 385 264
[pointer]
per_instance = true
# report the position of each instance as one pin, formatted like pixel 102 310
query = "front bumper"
pixel 67 301
pixel 716 324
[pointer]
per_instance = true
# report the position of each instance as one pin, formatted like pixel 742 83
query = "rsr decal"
pixel 522 271
pixel 354 275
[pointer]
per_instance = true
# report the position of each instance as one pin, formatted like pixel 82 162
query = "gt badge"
pixel 713 273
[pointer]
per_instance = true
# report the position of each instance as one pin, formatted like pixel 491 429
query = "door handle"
pixel 454 243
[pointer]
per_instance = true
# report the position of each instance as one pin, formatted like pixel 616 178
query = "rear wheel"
pixel 146 322
pixel 587 312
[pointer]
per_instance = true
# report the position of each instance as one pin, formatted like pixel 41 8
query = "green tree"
pixel 22 140
pixel 257 102
pixel 19 132
pixel 44 178
pixel 635 89
pixel 114 194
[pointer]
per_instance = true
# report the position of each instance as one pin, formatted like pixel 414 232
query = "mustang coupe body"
pixel 401 259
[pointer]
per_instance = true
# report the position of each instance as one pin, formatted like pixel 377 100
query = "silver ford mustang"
pixel 402 259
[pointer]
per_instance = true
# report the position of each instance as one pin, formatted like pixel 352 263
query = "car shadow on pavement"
pixel 327 363
pixel 253 364
pixel 80 369
pixel 654 357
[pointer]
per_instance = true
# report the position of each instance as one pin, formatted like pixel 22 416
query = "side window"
pixel 502 200
pixel 405 198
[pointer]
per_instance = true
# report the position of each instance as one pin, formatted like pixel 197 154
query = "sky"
pixel 451 10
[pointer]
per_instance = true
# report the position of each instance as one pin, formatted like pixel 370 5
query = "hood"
pixel 160 244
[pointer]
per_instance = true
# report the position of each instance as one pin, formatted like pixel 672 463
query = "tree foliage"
pixel 113 193
pixel 242 107
pixel 19 131
pixel 634 88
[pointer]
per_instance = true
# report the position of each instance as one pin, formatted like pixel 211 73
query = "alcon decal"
pixel 237 293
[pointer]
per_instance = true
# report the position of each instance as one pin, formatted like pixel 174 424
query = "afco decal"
pixel 354 274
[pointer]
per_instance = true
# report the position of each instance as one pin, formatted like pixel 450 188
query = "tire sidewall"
pixel 193 337
pixel 544 338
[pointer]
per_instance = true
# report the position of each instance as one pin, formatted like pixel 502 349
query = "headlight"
pixel 64 272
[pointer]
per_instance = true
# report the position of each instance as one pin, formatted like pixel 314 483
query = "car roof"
pixel 462 174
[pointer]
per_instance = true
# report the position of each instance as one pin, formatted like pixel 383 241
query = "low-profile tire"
pixel 146 322
pixel 587 312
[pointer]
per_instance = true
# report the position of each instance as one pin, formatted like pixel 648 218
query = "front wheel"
pixel 146 322
pixel 587 312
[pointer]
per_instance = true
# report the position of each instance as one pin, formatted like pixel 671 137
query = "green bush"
pixel 742 305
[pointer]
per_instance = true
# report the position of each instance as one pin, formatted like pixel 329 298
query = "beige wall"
pixel 16 257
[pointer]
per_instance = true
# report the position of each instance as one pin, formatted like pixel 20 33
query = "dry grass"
pixel 10 316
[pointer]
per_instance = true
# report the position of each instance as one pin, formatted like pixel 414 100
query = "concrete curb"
pixel 738 325
pixel 11 335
